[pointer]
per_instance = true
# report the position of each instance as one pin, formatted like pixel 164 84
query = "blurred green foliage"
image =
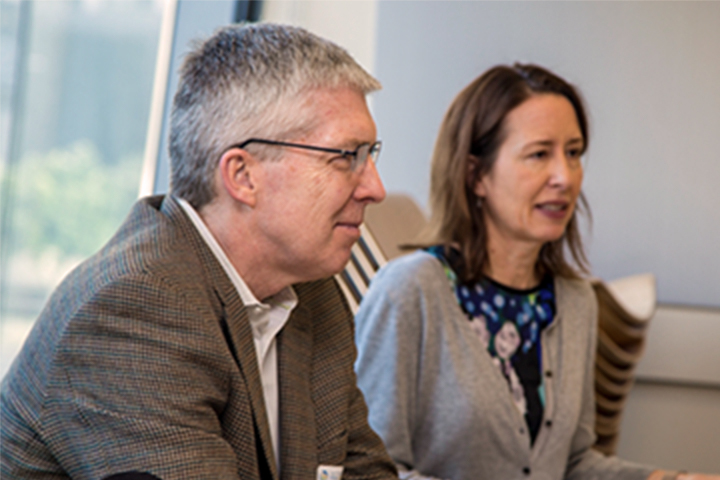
pixel 70 200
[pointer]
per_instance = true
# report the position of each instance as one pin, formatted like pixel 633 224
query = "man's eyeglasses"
pixel 357 158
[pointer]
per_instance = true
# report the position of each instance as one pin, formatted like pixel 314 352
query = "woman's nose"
pixel 561 171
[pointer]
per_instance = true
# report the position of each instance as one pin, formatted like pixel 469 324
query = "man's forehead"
pixel 329 98
pixel 339 111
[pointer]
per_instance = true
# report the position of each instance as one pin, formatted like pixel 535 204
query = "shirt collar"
pixel 285 298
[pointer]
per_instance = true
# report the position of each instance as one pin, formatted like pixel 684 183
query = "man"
pixel 205 340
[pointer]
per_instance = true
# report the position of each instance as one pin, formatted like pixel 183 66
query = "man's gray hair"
pixel 247 81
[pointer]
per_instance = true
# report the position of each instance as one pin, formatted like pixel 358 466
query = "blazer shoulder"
pixel 158 239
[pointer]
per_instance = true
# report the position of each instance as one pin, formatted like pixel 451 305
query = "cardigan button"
pixel 526 470
pixel 548 423
pixel 548 373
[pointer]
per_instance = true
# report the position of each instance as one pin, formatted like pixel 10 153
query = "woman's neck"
pixel 513 264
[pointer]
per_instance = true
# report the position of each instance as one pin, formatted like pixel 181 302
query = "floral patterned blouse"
pixel 508 322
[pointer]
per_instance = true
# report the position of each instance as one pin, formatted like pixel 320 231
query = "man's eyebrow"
pixel 359 140
pixel 354 143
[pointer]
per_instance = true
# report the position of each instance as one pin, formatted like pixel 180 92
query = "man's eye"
pixel 342 161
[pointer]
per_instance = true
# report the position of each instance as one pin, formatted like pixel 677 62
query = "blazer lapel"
pixel 242 341
pixel 298 432
pixel 240 338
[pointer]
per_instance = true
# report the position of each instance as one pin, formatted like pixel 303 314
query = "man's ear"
pixel 237 175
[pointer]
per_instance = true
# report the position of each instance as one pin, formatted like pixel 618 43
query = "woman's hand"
pixel 697 476
pixel 660 474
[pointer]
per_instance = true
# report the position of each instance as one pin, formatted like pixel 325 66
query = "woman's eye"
pixel 574 156
pixel 540 154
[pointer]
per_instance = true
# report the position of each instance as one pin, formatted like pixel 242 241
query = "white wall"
pixel 650 72
pixel 672 426
pixel 672 415
pixel 350 24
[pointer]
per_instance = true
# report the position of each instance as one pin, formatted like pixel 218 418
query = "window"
pixel 76 86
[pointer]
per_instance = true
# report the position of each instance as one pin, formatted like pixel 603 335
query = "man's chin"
pixel 328 267
pixel 343 260
pixel 338 264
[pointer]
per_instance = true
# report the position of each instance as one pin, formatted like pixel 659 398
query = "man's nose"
pixel 370 189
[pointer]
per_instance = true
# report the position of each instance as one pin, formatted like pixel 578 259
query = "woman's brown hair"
pixel 466 148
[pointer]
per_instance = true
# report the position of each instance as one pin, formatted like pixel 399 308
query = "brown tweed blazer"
pixel 143 360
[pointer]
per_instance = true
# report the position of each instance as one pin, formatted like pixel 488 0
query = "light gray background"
pixel 650 73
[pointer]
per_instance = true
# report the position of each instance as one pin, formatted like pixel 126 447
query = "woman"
pixel 476 354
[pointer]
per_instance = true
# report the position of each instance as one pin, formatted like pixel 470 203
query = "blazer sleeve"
pixel 366 455
pixel 584 461
pixel 141 378
pixel 352 443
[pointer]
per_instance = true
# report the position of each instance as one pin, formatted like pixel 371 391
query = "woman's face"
pixel 529 195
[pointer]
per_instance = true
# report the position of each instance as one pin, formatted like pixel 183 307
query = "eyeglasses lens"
pixel 364 152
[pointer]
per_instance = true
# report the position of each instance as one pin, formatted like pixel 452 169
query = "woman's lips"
pixel 553 210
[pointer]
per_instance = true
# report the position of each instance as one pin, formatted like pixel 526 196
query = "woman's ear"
pixel 479 188
pixel 236 169
pixel 474 179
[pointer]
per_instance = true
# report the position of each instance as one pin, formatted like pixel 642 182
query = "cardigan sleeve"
pixel 585 462
pixel 389 330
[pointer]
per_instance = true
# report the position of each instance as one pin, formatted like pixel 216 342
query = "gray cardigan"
pixel 441 405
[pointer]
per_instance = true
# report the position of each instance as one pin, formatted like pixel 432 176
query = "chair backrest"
pixel 625 306
pixel 388 225
pixel 395 221
pixel 366 258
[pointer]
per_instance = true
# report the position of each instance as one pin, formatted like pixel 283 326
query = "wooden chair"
pixel 625 307
pixel 366 258
pixel 394 222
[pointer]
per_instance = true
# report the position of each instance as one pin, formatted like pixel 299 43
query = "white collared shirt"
pixel 266 320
